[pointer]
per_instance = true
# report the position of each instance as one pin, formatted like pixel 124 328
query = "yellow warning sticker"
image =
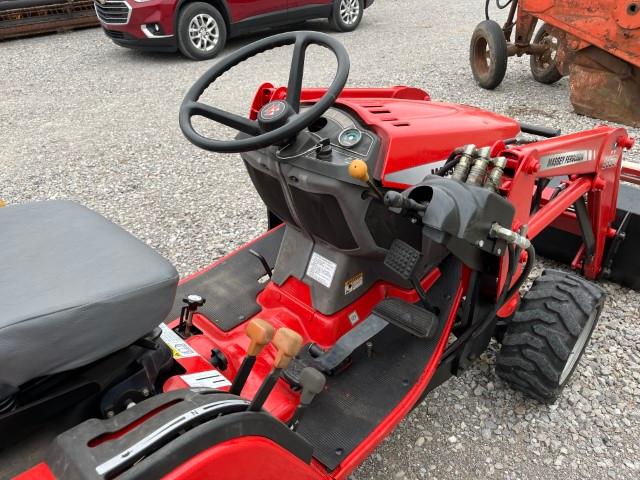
pixel 178 346
pixel 353 283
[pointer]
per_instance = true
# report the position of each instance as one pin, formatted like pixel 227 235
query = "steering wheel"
pixel 278 120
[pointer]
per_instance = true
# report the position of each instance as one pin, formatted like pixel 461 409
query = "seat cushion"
pixel 74 287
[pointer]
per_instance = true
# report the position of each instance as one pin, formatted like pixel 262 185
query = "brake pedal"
pixel 402 258
pixel 411 318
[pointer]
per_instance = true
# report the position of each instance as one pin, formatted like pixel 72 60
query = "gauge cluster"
pixel 348 139
pixel 330 144
pixel 342 139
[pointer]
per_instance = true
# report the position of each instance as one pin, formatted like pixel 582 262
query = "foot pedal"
pixel 411 318
pixel 332 361
pixel 402 258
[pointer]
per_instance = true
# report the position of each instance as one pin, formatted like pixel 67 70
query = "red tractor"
pixel 400 236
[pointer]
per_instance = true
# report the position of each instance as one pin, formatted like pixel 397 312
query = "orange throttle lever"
pixel 260 334
pixel 358 170
pixel 288 343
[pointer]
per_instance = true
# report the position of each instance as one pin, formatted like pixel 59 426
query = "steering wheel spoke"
pixel 296 73
pixel 237 122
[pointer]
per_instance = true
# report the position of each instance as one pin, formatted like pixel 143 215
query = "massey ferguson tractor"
pixel 402 232
pixel 595 42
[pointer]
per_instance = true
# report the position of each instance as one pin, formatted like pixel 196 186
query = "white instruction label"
pixel 321 269
pixel 208 379
pixel 178 346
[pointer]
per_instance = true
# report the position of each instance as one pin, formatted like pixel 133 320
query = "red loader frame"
pixel 591 163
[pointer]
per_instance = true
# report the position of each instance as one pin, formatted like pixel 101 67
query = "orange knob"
pixel 260 333
pixel 288 343
pixel 359 171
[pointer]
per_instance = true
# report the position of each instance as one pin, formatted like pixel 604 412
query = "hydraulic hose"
pixel 452 161
pixel 501 6
pixel 526 271
pixel 510 273
pixel 506 294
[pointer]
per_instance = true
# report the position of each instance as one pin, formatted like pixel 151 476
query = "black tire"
pixel 341 24
pixel 488 54
pixel 546 339
pixel 191 12
pixel 543 67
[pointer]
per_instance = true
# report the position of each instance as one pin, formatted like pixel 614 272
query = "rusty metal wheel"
pixel 488 54
pixel 543 66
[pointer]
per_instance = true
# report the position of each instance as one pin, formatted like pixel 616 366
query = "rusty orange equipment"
pixel 21 18
pixel 596 42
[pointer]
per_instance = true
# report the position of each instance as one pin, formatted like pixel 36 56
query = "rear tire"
pixel 543 67
pixel 346 15
pixel 544 342
pixel 488 54
pixel 202 32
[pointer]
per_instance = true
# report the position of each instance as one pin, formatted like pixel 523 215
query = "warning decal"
pixel 321 269
pixel 353 283
pixel 178 346
pixel 208 379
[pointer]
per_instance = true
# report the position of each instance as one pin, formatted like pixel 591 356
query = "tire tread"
pixel 538 341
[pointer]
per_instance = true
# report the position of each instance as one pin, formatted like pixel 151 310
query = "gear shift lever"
pixel 313 382
pixel 260 334
pixel 288 343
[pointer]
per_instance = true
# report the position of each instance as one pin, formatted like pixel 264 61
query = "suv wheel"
pixel 346 15
pixel 202 32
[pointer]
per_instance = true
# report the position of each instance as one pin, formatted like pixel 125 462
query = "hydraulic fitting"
pixel 479 169
pixel 509 236
pixel 464 164
pixel 495 177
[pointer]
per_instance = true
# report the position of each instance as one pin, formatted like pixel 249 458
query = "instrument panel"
pixel 347 139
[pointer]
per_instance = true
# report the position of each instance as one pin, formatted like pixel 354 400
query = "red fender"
pixel 244 458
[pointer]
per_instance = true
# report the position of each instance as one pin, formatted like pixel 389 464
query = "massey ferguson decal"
pixel 566 158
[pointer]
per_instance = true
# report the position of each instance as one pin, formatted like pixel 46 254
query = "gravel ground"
pixel 83 119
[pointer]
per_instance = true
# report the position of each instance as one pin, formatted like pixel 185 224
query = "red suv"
pixel 199 29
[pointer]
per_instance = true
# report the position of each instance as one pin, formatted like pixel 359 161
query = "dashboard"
pixel 336 138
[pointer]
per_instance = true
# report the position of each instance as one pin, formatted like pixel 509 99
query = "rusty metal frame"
pixel 66 14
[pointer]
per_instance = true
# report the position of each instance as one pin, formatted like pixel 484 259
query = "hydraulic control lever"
pixel 260 334
pixel 288 343
pixel 312 382
pixel 395 199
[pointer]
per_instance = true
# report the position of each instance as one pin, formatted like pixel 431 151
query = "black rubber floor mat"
pixel 356 400
pixel 231 287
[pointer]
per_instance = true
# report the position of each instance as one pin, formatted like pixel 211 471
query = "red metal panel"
pixel 40 472
pixel 243 459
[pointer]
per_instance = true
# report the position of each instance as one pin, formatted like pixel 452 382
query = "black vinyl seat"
pixel 74 287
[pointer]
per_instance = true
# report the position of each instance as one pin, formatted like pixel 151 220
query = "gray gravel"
pixel 83 119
